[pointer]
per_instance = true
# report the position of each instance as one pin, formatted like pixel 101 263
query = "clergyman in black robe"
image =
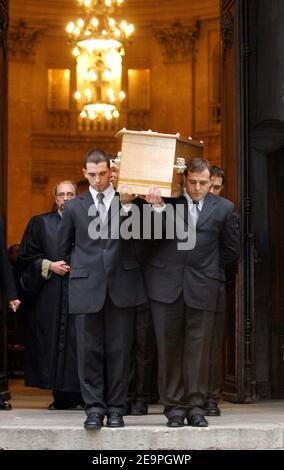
pixel 50 349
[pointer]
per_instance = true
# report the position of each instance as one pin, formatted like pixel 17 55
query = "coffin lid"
pixel 150 133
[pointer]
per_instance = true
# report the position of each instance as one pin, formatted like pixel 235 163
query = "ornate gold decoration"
pixel 22 39
pixel 226 3
pixel 227 30
pixel 39 182
pixel 178 41
pixel 3 22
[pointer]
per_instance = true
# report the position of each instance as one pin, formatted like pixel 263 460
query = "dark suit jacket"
pixel 7 282
pixel 98 266
pixel 197 272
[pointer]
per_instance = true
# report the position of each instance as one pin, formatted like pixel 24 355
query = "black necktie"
pixel 58 219
pixel 101 206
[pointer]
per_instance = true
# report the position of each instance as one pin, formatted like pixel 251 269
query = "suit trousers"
pixel 104 345
pixel 215 366
pixel 143 375
pixel 183 336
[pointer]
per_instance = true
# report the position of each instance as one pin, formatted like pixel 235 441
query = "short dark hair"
pixel 217 171
pixel 197 165
pixel 96 156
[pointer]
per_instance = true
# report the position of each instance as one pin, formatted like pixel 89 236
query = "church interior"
pixel 175 43
pixel 207 69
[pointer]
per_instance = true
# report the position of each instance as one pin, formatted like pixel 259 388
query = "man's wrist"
pixel 127 207
pixel 159 207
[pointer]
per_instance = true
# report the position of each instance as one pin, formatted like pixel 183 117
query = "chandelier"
pixel 98 39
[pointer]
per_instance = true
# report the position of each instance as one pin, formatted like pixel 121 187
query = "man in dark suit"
pixel 50 349
pixel 143 370
pixel 105 285
pixel 7 283
pixel 183 282
pixel 215 365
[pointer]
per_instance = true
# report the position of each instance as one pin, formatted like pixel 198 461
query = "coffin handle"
pixel 117 160
pixel 180 165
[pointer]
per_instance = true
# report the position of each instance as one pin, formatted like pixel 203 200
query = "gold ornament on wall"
pixel 178 41
pixel 22 40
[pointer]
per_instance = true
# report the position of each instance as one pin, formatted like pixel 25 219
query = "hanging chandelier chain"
pixel 100 6
pixel 98 41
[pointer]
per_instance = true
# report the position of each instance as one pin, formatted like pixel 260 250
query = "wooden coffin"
pixel 148 158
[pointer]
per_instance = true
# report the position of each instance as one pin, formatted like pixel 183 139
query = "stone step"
pixel 247 427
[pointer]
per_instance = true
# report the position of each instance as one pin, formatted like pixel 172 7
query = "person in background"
pixel 215 364
pixel 143 388
pixel 8 286
pixel 114 168
pixel 16 320
pixel 13 251
pixel 50 349
pixel 218 180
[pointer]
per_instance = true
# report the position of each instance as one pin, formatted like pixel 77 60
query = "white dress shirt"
pixel 109 193
pixel 192 207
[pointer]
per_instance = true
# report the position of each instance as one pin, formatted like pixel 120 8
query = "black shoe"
pixel 5 405
pixel 139 409
pixel 63 406
pixel 94 421
pixel 197 421
pixel 115 420
pixel 175 422
pixel 212 409
pixel 76 407
pixel 57 406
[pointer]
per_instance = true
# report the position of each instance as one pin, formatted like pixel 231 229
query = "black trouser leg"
pixel 104 342
pixel 91 370
pixel 197 343
pixel 168 322
pixel 144 358
pixel 119 328
pixel 215 365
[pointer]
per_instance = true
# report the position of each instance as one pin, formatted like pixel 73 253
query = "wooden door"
pixel 239 381
pixel 3 102
pixel 276 236
pixel 4 394
pixel 229 43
